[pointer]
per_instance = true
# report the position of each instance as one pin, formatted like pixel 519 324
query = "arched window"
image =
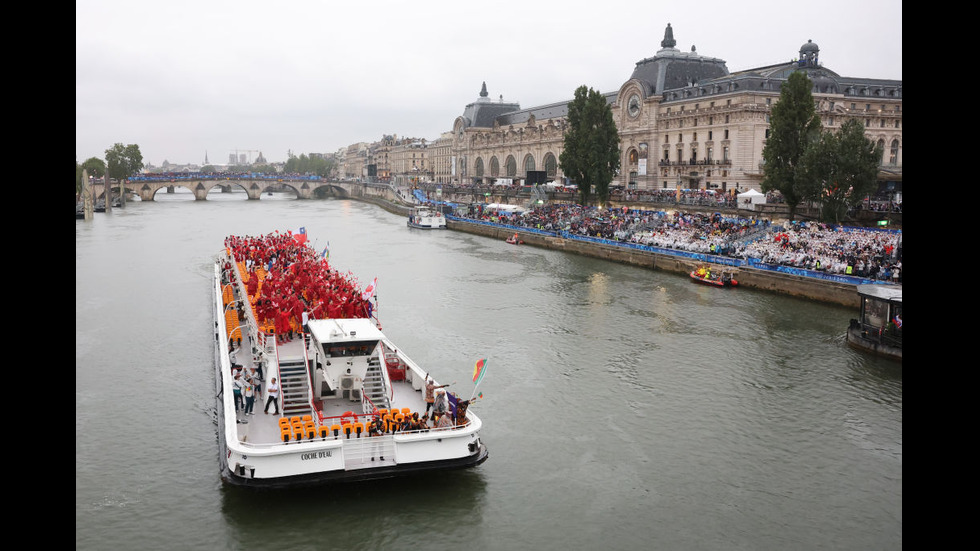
pixel 633 157
pixel 528 164
pixel 511 167
pixel 494 167
pixel 550 166
pixel 893 154
pixel 479 167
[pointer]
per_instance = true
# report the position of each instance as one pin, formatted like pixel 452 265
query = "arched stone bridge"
pixel 146 189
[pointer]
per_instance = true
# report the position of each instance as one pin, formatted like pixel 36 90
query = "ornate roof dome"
pixel 672 68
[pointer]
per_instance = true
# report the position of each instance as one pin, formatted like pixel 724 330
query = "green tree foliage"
pixel 590 156
pixel 793 127
pixel 123 161
pixel 844 166
pixel 263 169
pixel 95 167
pixel 312 164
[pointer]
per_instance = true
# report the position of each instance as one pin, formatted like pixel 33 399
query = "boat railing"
pixel 264 346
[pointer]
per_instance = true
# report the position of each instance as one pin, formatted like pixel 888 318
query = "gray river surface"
pixel 623 408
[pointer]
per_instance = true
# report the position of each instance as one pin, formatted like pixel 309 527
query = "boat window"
pixel 354 348
pixel 875 313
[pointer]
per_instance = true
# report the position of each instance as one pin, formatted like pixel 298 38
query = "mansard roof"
pixel 482 112
pixel 678 76
pixel 544 112
pixel 671 68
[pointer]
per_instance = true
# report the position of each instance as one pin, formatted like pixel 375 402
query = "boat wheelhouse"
pixel 878 329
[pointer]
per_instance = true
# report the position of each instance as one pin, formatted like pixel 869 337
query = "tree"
pixel 263 169
pixel 844 164
pixel 121 163
pixel 793 127
pixel 590 154
pixel 312 164
pixel 95 167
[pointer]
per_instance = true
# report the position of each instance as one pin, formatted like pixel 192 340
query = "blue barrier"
pixel 813 274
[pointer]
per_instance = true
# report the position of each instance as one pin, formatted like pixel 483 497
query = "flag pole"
pixel 486 362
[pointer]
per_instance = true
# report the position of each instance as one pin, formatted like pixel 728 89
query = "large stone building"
pixel 684 121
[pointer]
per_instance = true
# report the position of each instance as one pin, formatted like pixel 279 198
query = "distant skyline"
pixel 183 79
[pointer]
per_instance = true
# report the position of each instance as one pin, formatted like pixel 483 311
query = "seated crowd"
pixel 861 252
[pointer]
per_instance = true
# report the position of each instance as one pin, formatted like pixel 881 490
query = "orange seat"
pixel 285 433
pixel 323 431
pixel 347 429
pixel 358 428
pixel 309 430
pixel 335 429
pixel 406 411
pixel 284 422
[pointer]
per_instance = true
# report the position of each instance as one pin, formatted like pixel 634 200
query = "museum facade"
pixel 684 121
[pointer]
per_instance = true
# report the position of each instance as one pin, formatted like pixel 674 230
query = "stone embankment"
pixel 788 284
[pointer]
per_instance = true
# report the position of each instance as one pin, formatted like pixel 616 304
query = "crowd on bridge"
pixel 862 252
pixel 288 283
pixel 231 175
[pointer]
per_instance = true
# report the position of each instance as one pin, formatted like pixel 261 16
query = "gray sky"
pixel 183 78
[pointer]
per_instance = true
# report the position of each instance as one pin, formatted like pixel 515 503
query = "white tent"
pixel 749 198
pixel 502 207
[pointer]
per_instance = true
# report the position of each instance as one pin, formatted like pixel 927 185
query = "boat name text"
pixel 317 455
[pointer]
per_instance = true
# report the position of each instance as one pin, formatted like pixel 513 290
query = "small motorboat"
pixel 514 240
pixel 721 278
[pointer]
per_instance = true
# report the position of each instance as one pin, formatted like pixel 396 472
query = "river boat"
pixel 334 380
pixel 719 278
pixel 514 240
pixel 878 329
pixel 426 218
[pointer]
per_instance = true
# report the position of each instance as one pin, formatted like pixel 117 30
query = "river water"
pixel 623 408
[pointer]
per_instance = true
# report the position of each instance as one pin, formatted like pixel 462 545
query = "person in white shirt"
pixel 273 396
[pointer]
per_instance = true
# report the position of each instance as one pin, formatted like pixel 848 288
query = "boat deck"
pixel 263 428
pixel 326 446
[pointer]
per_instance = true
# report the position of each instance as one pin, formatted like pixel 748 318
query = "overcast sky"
pixel 182 79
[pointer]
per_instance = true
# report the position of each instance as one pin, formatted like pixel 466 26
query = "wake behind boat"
pixel 426 218
pixel 346 403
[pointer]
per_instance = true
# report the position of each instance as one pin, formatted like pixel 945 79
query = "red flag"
pixel 299 236
pixel 369 290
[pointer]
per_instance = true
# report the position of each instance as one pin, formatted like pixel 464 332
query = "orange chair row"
pixel 296 429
